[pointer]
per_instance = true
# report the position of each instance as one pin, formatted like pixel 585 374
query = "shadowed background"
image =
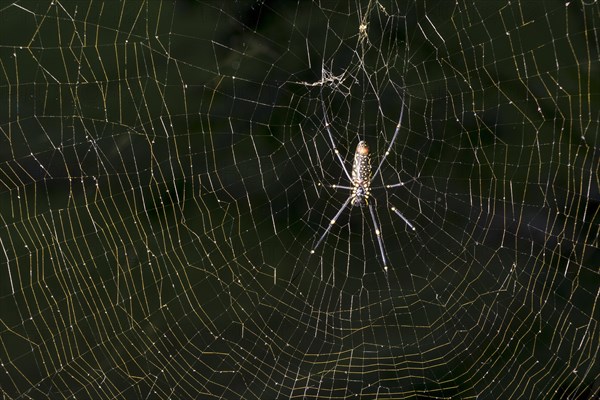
pixel 165 172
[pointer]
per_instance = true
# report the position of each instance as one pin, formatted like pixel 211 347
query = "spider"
pixel 360 180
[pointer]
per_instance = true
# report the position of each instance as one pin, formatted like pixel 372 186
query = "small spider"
pixel 361 179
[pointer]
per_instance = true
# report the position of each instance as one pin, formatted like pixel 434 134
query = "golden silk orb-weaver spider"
pixel 360 184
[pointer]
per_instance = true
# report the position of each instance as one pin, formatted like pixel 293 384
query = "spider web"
pixel 165 172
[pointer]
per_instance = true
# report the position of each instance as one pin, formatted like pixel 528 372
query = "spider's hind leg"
pixel 331 223
pixel 394 209
pixel 378 235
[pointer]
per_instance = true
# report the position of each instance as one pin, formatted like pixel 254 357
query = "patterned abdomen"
pixel 361 174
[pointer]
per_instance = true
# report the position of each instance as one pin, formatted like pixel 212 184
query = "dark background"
pixel 160 166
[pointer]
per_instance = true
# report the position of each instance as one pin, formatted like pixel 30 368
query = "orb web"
pixel 165 171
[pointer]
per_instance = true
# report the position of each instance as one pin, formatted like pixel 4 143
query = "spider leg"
pixel 392 142
pixel 331 223
pixel 394 209
pixel 390 186
pixel 337 186
pixel 378 234
pixel 394 185
pixel 335 149
pixel 342 187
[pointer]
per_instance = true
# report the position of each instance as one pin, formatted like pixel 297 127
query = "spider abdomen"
pixel 361 175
